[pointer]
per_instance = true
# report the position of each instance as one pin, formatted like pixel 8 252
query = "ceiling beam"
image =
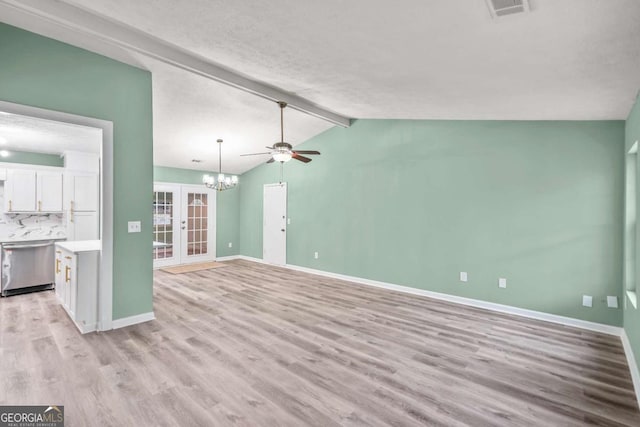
pixel 96 33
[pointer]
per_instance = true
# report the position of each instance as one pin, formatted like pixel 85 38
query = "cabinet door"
pixel 49 191
pixel 83 226
pixel 82 192
pixel 20 191
pixel 73 285
pixel 59 269
pixel 66 261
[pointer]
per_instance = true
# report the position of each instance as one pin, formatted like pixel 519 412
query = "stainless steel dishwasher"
pixel 27 266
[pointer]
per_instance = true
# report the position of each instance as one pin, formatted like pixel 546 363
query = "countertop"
pixel 80 246
pixel 30 239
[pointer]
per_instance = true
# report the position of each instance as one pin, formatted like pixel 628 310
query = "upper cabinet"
pixel 29 190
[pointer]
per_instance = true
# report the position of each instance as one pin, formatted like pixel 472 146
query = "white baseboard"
pixel 633 366
pixel 132 320
pixel 227 258
pixel 539 315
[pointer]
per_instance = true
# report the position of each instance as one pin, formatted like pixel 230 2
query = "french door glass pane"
pixel 163 224
pixel 197 212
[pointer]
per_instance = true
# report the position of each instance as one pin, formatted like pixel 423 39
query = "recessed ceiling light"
pixel 4 153
pixel 196 160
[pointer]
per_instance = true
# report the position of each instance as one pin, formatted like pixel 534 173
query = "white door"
pixel 166 225
pixel 274 234
pixel 49 191
pixel 197 224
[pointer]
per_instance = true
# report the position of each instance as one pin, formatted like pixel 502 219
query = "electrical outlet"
pixel 463 276
pixel 230 244
pixel 134 227
pixel 315 255
pixel 502 282
pixel 587 300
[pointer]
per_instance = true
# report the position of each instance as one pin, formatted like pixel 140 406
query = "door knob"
pixel 183 227
pixel 282 229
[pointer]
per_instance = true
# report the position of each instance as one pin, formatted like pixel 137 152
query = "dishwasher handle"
pixel 27 246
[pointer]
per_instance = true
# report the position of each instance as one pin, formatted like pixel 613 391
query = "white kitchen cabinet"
pixel 81 192
pixel 20 191
pixel 29 190
pixel 82 203
pixel 83 226
pixel 49 191
pixel 80 266
pixel 59 270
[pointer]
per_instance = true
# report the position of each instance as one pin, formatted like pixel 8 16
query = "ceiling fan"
pixel 283 151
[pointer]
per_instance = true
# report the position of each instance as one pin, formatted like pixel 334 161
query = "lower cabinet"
pixel 77 282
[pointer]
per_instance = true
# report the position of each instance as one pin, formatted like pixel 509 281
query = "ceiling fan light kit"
pixel 283 151
pixel 222 182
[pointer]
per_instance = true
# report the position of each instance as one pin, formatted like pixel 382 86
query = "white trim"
pixel 538 315
pixel 633 366
pixel 96 33
pixel 133 320
pixel 227 258
pixel 105 290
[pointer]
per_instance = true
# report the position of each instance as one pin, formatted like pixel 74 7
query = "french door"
pixel 183 224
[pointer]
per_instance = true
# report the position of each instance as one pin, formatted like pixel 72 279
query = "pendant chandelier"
pixel 222 182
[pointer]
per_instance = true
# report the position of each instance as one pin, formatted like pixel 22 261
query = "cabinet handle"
pixel 57 266
pixel 68 257
pixel 39 206
pixel 58 252
pixel 67 274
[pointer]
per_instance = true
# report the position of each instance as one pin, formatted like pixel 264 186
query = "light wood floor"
pixel 255 345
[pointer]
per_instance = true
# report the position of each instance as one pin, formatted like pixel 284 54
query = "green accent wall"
pixel 632 314
pixel 29 158
pixel 41 72
pixel 227 206
pixel 416 202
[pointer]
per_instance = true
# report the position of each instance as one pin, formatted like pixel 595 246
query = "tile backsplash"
pixel 29 225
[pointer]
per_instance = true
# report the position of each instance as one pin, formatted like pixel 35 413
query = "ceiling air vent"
pixel 507 7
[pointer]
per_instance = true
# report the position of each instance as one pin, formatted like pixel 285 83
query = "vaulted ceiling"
pixel 412 59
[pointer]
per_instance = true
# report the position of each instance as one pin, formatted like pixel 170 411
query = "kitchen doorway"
pixel 184 218
pixel 105 286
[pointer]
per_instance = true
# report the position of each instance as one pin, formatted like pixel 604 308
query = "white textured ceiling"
pixel 22 133
pixel 409 59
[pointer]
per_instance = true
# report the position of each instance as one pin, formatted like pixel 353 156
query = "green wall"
pixel 631 314
pixel 227 206
pixel 45 73
pixel 416 202
pixel 24 157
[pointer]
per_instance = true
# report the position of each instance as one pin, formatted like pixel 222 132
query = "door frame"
pixel 178 190
pixel 284 225
pixel 211 224
pixel 105 283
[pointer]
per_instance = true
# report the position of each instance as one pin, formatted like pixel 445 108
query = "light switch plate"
pixel 230 244
pixel 502 282
pixel 587 300
pixel 612 301
pixel 288 221
pixel 134 227
pixel 315 255
pixel 463 276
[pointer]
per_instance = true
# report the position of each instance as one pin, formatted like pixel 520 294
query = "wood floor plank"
pixel 256 345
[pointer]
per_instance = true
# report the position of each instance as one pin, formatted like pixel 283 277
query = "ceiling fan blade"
pixel 270 160
pixel 314 152
pixel 254 154
pixel 297 156
pixel 270 148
